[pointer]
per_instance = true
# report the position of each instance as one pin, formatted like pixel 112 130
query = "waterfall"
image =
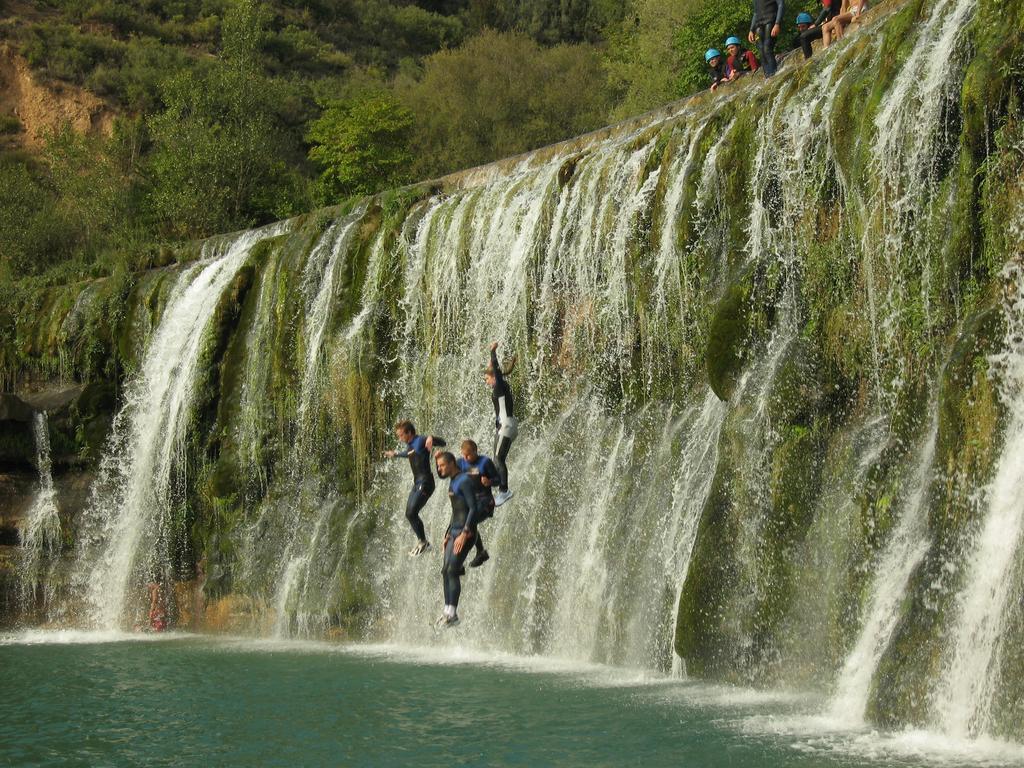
pixel 144 467
pixel 964 696
pixel 908 543
pixel 319 283
pixel 913 137
pixel 40 534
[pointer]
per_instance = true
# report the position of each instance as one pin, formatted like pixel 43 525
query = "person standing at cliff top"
pixel 483 476
pixel 461 531
pixel 505 424
pixel 765 25
pixel 417 450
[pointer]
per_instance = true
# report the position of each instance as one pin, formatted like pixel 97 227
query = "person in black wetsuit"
pixel 804 22
pixel 765 25
pixel 459 536
pixel 417 450
pixel 484 476
pixel 718 70
pixel 829 10
pixel 505 424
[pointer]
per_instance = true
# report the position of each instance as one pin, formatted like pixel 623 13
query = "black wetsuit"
pixel 808 36
pixel 422 480
pixel 505 425
pixel 482 467
pixel 719 74
pixel 464 515
pixel 767 13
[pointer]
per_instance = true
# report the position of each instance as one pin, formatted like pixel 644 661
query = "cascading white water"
pixel 907 546
pixel 336 243
pixel 40 534
pixel 134 496
pixel 323 262
pixel 964 697
pixel 910 128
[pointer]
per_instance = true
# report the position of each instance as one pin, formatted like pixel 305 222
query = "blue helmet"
pixel 711 54
pixel 732 41
pixel 804 18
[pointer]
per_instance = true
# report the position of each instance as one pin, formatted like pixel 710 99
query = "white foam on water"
pixel 87 637
pixel 828 737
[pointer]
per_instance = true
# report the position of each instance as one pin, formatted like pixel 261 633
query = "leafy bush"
pixel 33 234
pixel 62 52
pixel 135 82
pixel 501 94
pixel 361 145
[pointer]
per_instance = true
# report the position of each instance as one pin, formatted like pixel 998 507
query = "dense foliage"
pixel 232 113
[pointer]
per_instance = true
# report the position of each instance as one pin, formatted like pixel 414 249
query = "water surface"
pixel 86 699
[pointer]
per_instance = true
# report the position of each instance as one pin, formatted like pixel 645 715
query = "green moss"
pixel 729 336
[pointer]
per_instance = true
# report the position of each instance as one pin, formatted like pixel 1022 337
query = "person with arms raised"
pixel 417 450
pixel 506 427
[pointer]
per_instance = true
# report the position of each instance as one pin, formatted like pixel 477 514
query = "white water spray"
pixel 40 534
pixel 134 498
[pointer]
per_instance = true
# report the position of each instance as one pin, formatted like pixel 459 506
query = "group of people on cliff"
pixel 833 18
pixel 472 478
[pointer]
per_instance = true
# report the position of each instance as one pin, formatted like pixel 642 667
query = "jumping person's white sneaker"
pixel 419 549
pixel 501 497
pixel 445 621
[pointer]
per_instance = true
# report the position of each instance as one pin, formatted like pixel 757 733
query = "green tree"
pixel 361 145
pixel 33 233
pixel 642 59
pixel 501 94
pixel 216 165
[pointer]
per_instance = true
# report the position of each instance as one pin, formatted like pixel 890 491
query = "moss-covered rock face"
pixel 729 338
pixel 741 325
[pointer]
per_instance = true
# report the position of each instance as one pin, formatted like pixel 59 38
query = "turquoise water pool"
pixel 90 700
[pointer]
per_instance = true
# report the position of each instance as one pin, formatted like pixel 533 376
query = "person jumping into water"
pixel 459 536
pixel 417 450
pixel 504 420
pixel 484 476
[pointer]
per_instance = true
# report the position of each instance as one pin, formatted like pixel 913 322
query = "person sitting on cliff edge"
pixel 849 13
pixel 829 10
pixel 718 70
pixel 803 23
pixel 740 60
pixel 417 450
